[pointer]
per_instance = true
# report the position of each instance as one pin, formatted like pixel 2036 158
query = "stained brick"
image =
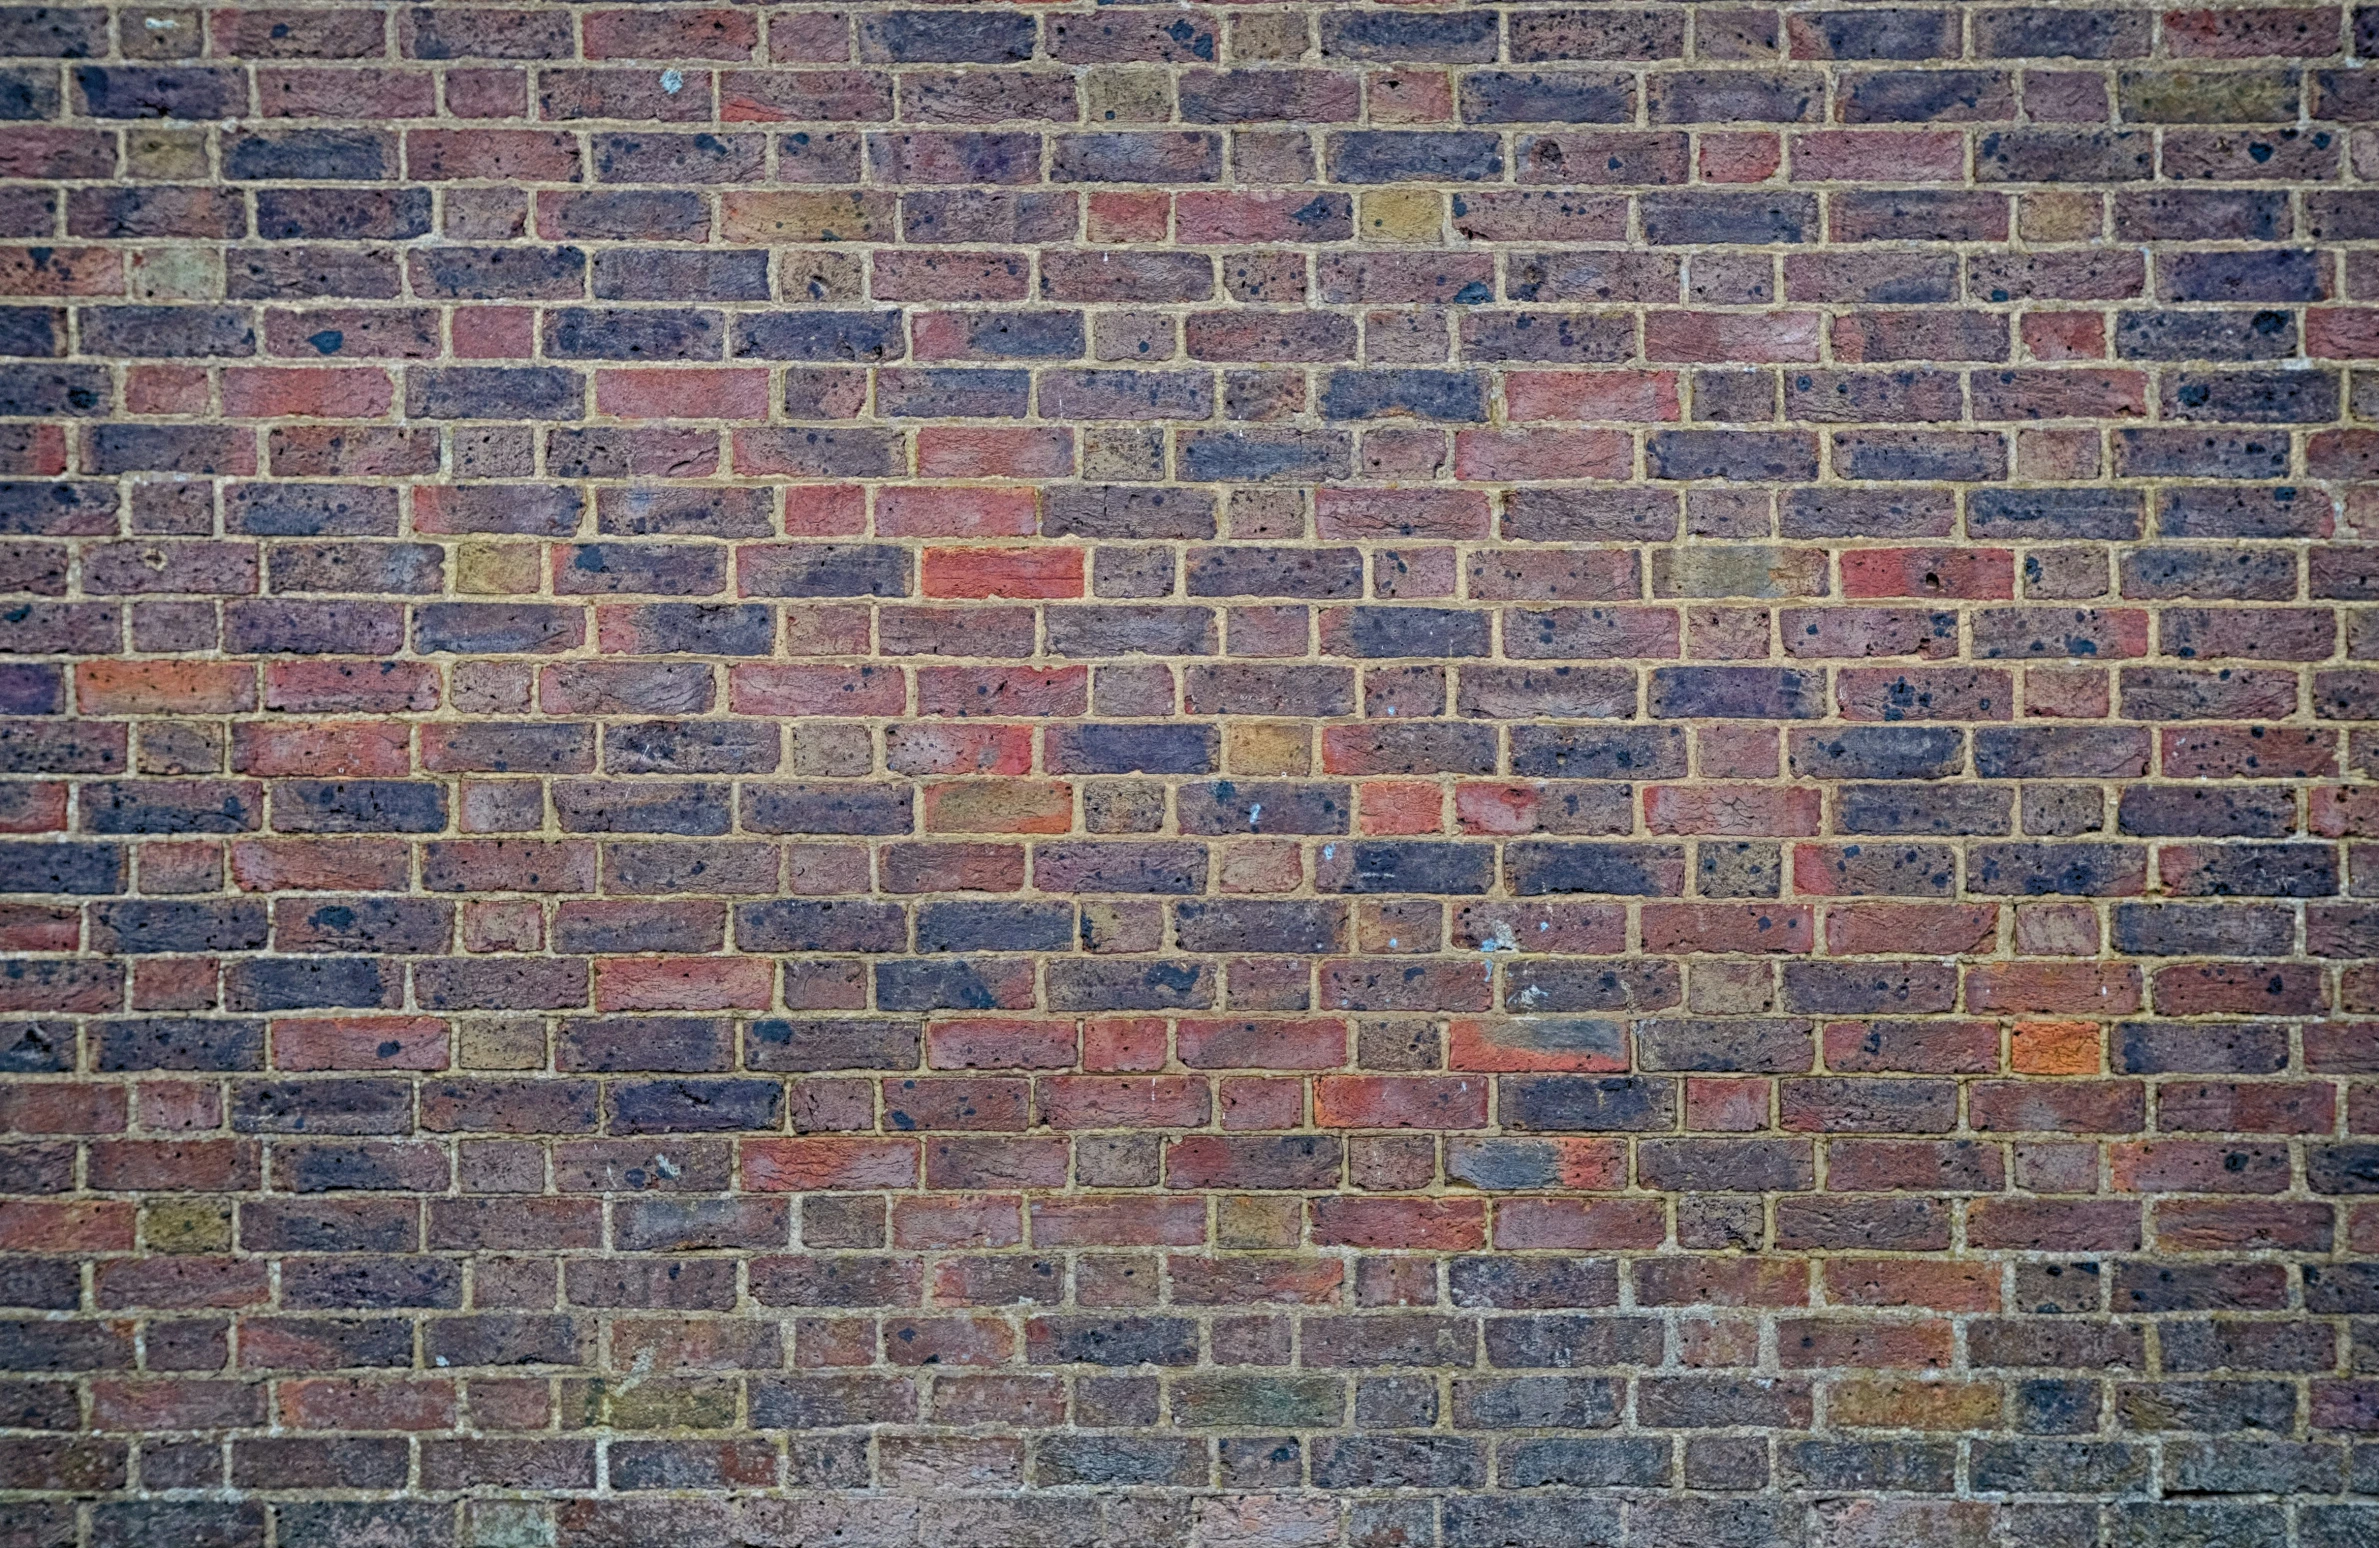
pixel 1722 593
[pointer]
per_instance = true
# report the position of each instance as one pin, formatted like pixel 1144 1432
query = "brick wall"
pixel 1223 777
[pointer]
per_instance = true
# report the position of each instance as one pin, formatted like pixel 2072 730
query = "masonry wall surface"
pixel 1242 776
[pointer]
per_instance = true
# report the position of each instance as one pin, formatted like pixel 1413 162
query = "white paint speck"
pixel 673 81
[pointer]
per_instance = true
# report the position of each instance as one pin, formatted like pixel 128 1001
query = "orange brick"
pixel 999 806
pixel 2057 1048
pixel 163 687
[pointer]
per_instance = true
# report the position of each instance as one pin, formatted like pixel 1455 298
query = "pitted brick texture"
pixel 1151 776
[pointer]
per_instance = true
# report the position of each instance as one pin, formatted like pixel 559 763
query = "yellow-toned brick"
pixel 500 1042
pixel 1407 215
pixel 1914 1405
pixel 999 806
pixel 498 569
pixel 177 274
pixel 2060 216
pixel 825 216
pixel 1268 747
pixel 1254 1221
pixel 186 1225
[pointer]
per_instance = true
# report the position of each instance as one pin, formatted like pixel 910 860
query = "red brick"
pixel 360 1043
pixel 827 1164
pixel 682 393
pixel 971 513
pixel 1580 1225
pixel 1003 572
pixel 1416 946
pixel 683 983
pixel 1630 396
pixel 816 690
pixel 322 750
pixel 1984 573
pixel 1439 1224
pixel 277 392
pixel 981 1043
pixel 1400 1102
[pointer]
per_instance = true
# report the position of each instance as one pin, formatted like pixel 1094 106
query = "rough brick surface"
pixel 1271 776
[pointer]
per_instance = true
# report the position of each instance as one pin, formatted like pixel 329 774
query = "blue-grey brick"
pixel 1694 219
pixel 995 926
pixel 797 334
pixel 1409 36
pixel 32 866
pixel 946 37
pixel 143 91
pixel 1760 693
pixel 1408 393
pixel 1377 632
pixel 1627 869
pixel 358 806
pixel 1132 749
pixel 181 1043
pixel 1534 97
pixel 828 806
pixel 1414 155
pixel 1405 865
pixel 493 392
pixel 317 155
pixel 1264 456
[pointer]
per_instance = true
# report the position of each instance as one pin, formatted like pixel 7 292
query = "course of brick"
pixel 1240 776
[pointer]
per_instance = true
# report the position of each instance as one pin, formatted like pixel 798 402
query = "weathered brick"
pixel 1655 636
